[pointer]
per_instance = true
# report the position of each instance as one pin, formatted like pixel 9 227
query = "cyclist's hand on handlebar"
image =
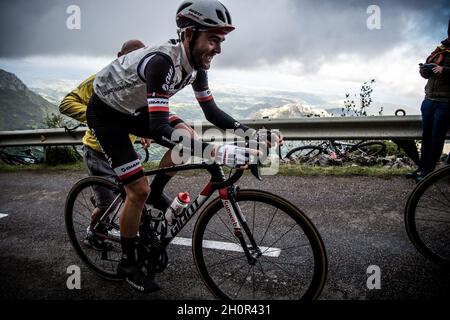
pixel 234 156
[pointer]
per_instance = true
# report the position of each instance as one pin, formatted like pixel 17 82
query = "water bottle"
pixel 177 206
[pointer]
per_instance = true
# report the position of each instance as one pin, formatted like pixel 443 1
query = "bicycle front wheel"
pixel 293 264
pixel 104 198
pixel 427 216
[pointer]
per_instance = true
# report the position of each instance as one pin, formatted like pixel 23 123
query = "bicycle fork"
pixel 228 197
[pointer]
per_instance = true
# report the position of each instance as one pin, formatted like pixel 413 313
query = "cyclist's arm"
pixel 158 73
pixel 212 112
pixel 75 103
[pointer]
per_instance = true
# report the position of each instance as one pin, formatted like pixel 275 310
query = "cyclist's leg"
pixel 111 129
pixel 157 196
pixel 137 192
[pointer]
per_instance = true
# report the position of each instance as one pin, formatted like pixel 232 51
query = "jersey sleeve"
pixel 212 112
pixel 159 73
pixel 74 104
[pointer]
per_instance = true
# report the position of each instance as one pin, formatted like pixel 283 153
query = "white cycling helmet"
pixel 204 15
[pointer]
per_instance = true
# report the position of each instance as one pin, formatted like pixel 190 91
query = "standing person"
pixel 435 108
pixel 132 96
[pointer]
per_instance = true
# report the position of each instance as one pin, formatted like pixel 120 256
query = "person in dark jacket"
pixel 435 108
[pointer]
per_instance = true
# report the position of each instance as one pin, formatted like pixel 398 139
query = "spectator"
pixel 435 108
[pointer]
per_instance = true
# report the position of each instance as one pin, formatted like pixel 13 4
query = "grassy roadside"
pixel 375 171
pixel 285 170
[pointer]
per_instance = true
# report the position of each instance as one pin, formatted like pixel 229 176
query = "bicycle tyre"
pixel 6 159
pixel 305 154
pixel 202 249
pixel 77 199
pixel 370 149
pixel 416 208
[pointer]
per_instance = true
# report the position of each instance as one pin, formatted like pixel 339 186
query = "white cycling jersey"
pixel 121 84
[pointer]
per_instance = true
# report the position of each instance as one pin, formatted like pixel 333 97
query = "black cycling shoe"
pixel 136 278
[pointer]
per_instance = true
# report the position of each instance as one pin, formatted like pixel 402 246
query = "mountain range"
pixel 21 108
pixel 25 108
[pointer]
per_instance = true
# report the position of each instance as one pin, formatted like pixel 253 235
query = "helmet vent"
pixel 220 16
pixel 209 21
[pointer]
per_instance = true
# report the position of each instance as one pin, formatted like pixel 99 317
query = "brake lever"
pixel 254 169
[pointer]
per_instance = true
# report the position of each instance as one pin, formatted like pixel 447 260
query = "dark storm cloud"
pixel 267 31
pixel 315 31
pixel 39 27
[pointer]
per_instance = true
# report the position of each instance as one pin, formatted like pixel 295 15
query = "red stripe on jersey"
pixel 155 109
pixel 204 99
pixel 126 175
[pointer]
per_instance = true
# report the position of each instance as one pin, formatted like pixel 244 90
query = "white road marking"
pixel 2 215
pixel 210 244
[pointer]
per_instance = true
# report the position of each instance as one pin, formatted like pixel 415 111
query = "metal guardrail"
pixel 375 127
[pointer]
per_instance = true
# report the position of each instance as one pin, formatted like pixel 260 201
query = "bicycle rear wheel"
pixel 427 216
pixel 293 264
pixel 85 196
pixel 305 154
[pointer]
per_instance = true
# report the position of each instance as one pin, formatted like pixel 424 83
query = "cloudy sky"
pixel 321 47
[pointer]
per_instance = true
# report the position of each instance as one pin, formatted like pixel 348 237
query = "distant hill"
pixel 290 111
pixel 21 108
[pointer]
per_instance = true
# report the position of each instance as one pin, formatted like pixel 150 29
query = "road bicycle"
pixel 310 154
pixel 427 216
pixel 247 244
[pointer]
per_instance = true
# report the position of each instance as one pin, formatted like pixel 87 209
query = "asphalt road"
pixel 359 218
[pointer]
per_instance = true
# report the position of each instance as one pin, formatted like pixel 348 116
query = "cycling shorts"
pixel 112 128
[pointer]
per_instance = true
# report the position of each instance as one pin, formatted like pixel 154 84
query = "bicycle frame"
pixel 226 191
pixel 341 148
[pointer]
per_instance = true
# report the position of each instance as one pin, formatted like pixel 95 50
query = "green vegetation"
pixel 394 150
pixel 285 170
pixel 373 171
pixel 59 155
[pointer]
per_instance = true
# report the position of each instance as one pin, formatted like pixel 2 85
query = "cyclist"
pixel 74 105
pixel 132 96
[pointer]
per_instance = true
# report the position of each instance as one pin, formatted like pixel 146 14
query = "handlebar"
pixel 229 182
pixel 254 169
